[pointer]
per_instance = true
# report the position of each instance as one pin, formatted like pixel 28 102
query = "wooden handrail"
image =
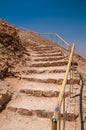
pixel 60 98
pixel 55 34
pixel 56 117
pixel 65 77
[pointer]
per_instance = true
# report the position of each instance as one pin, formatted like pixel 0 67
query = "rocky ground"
pixel 32 69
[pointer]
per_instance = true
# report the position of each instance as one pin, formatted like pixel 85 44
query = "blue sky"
pixel 65 17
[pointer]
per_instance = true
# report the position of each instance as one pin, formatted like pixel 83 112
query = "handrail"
pixel 55 34
pixel 60 98
pixel 65 77
pixel 62 40
pixel 61 94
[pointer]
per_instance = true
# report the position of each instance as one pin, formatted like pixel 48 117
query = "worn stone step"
pixel 35 71
pixel 29 122
pixel 39 49
pixel 45 76
pixel 59 63
pixel 46 55
pixel 50 75
pixel 50 68
pixel 34 85
pixel 38 106
pixel 40 93
pixel 44 48
pixel 46 70
pixel 14 121
pixel 49 62
pixel 47 52
pixel 49 59
pixel 30 105
pixel 42 89
pixel 52 81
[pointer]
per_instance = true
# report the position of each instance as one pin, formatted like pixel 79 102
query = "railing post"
pixel 62 48
pixel 54 123
pixel 64 113
pixel 84 123
pixel 56 39
pixel 59 120
pixel 51 37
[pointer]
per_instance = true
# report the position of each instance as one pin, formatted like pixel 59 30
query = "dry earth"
pixel 32 69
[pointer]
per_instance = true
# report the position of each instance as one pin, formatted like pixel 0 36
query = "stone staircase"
pixel 37 87
pixel 41 83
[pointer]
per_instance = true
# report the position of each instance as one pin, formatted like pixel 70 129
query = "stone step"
pixel 50 68
pixel 47 90
pixel 48 62
pixel 51 75
pixel 39 106
pixel 35 71
pixel 14 121
pixel 43 70
pixel 59 63
pixel 34 85
pixel 42 89
pixel 9 118
pixel 46 48
pixel 30 105
pixel 19 84
pixel 45 76
pixel 52 81
pixel 49 59
pixel 46 55
pixel 40 93
pixel 47 52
